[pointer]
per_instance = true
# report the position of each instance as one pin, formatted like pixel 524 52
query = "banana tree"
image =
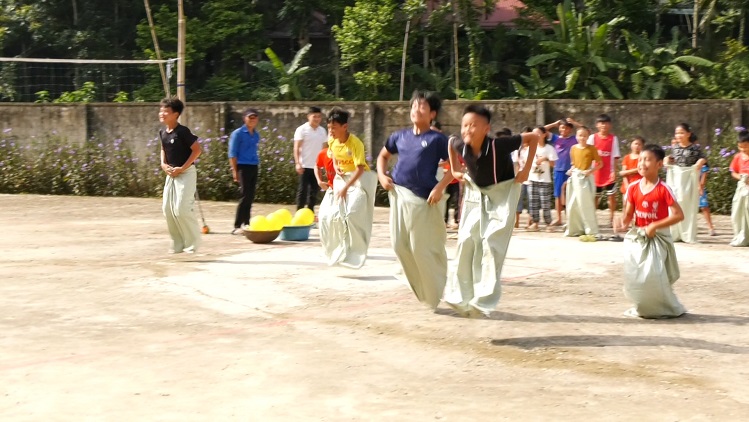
pixel 287 75
pixel 580 55
pixel 653 70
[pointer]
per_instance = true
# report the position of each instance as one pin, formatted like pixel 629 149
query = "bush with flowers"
pixel 54 166
pixel 720 185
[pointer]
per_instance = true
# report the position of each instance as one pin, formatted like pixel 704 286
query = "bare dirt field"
pixel 99 323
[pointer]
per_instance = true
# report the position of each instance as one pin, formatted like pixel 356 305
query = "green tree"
pixel 655 70
pixel 640 15
pixel 729 78
pixel 287 76
pixel 369 41
pixel 581 53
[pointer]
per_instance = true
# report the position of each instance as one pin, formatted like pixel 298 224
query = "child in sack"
pixel 650 265
pixel 740 206
pixel 581 189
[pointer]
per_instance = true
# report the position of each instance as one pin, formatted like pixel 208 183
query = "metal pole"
pixel 181 52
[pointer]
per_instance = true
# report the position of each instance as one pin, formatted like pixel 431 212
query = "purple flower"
pixel 715 169
pixel 739 128
pixel 100 145
pixel 717 131
pixel 278 151
pixel 281 159
pixel 707 147
pixel 207 131
pixel 221 129
pixel 7 130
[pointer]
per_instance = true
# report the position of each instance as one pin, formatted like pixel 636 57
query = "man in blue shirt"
pixel 417 206
pixel 244 160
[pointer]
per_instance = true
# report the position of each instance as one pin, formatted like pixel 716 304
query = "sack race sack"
pixel 486 223
pixel 740 214
pixel 685 183
pixel 650 270
pixel 418 235
pixel 346 225
pixel 581 212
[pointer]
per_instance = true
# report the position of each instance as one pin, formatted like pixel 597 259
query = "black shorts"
pixel 609 189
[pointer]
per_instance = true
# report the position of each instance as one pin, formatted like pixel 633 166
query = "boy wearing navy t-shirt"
pixel 417 203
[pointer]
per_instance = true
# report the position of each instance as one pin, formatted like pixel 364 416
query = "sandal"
pixel 616 238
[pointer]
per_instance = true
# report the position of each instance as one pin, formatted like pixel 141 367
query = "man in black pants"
pixel 244 160
pixel 307 140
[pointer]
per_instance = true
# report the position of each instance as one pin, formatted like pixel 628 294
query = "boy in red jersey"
pixel 650 266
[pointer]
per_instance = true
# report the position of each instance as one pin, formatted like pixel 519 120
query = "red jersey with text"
pixel 651 205
pixel 608 150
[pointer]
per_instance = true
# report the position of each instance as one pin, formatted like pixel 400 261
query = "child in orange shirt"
pixel 629 171
pixel 324 162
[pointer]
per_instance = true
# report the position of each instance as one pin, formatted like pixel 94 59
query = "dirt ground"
pixel 99 323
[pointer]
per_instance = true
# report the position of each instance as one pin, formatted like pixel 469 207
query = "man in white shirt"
pixel 307 140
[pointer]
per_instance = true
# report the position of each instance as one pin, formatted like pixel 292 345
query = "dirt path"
pixel 99 323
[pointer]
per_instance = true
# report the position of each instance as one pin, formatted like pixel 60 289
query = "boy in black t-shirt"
pixel 179 149
pixel 491 195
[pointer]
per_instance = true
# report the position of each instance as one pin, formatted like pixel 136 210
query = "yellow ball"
pixel 259 223
pixel 275 221
pixel 304 217
pixel 284 215
pixel 297 221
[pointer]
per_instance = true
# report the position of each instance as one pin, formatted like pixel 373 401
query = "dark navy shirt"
pixel 418 159
pixel 243 146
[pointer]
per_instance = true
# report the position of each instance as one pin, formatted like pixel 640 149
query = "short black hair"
pixel 338 115
pixel 744 136
pixel 480 110
pixel 566 123
pixel 541 128
pixel 603 118
pixel 638 138
pixel 526 129
pixel 657 150
pixel 314 109
pixel 431 97
pixel 505 131
pixel 585 128
pixel 173 103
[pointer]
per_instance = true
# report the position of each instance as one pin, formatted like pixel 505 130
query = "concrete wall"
pixel 137 123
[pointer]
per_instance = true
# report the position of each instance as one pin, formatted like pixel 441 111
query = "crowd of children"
pixel 489 177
